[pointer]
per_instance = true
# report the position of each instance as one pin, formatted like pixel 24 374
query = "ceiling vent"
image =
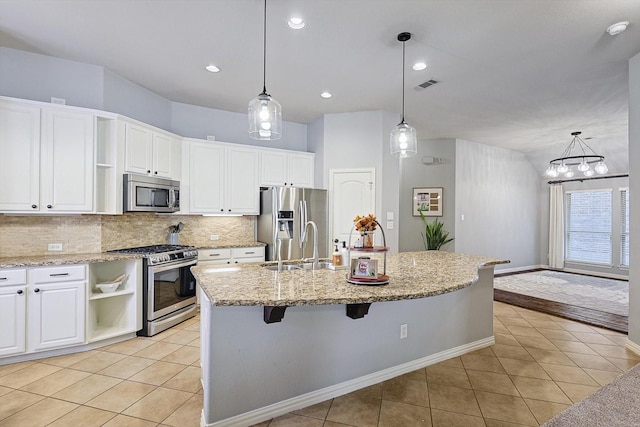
pixel 427 84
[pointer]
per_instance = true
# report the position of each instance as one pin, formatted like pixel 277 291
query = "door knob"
pixel 20 292
pixel 34 206
pixel 36 290
pixel 49 206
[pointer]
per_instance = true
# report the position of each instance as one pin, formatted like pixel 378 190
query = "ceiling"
pixel 520 74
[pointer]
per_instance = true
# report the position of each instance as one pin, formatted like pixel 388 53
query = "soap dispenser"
pixel 337 255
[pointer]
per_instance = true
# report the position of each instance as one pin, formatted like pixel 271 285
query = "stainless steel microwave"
pixel 150 194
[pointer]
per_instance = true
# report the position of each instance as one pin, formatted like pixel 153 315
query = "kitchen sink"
pixel 274 267
pixel 296 266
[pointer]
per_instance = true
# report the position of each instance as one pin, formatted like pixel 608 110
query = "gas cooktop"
pixel 161 254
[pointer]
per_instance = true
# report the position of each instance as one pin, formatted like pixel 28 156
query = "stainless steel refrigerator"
pixel 283 212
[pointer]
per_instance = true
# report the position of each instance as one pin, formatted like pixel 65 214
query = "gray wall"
pixel 40 77
pixel 615 184
pixel 497 191
pixel 634 197
pixel 360 140
pixel 37 77
pixel 318 346
pixel 193 121
pixel 417 174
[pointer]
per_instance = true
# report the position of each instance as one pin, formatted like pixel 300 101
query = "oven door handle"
pixel 173 265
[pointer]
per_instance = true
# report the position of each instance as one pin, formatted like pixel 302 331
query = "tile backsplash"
pixel 30 235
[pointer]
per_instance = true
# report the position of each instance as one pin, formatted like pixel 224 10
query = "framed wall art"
pixel 427 200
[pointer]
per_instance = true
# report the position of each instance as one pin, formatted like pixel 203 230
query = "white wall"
pixel 417 174
pixel 497 191
pixel 40 77
pixel 315 144
pixel 634 199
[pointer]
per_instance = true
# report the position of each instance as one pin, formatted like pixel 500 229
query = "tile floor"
pixel 539 365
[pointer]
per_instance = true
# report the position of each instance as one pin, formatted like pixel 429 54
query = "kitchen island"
pixel 253 370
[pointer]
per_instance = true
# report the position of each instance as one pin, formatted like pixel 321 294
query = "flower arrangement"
pixel 365 223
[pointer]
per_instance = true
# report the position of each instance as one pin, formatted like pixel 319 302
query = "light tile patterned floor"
pixel 539 365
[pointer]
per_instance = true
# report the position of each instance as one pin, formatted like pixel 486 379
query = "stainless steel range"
pixel 169 291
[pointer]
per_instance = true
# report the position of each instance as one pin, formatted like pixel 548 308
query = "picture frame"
pixel 364 268
pixel 427 199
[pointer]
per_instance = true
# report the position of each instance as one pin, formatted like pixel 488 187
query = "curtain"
pixel 556 227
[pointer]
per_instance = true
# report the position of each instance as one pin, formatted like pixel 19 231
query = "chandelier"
pixel 584 158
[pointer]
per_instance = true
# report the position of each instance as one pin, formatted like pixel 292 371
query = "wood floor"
pixel 614 322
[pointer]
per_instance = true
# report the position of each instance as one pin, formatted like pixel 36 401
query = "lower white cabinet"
pixel 56 307
pixel 46 308
pixel 13 306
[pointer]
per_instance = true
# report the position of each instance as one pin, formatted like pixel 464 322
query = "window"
pixel 624 227
pixel 588 226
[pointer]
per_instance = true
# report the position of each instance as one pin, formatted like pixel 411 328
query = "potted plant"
pixel 434 236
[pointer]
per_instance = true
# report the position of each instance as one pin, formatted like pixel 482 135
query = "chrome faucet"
pixel 314 258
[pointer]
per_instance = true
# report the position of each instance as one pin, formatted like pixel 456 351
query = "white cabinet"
pixel 56 307
pixel 285 168
pixel 221 179
pixel 47 158
pixel 116 313
pixel 151 152
pixel 13 305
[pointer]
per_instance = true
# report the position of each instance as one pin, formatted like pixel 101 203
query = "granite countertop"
pixel 59 259
pixel 412 275
pixel 234 245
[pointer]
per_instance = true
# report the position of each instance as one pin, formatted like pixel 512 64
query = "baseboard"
pixel 284 407
pixel 633 346
pixel 519 269
pixel 595 273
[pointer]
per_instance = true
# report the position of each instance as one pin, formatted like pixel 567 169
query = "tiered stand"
pixel 381 279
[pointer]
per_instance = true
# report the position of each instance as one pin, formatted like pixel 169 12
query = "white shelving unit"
pixel 116 313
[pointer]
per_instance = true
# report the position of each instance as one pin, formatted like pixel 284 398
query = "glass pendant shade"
pixel 563 168
pixel 601 168
pixel 588 172
pixel 265 118
pixel 403 141
pixel 569 173
pixel 552 172
pixel 583 166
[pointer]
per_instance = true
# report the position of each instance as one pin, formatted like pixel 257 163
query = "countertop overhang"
pixel 60 259
pixel 412 275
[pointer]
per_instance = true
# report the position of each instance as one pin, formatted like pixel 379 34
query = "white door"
pixel 351 193
pixel 206 178
pixel 301 170
pixel 273 169
pixel 162 151
pixel 243 191
pixel 138 149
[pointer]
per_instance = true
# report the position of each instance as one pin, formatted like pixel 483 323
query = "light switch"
pixel 462 217
pixel 389 216
pixel 389 225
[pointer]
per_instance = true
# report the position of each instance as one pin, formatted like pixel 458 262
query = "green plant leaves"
pixel 434 236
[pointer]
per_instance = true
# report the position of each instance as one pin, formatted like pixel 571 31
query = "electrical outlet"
pixel 214 237
pixel 389 225
pixel 403 331
pixel 211 138
pixel 59 101
pixel 54 247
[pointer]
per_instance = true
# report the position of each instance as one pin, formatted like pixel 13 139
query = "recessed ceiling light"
pixel 212 68
pixel 617 28
pixel 296 23
pixel 326 94
pixel 419 66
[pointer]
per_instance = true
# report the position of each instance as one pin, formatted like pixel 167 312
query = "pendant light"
pixel 403 136
pixel 584 156
pixel 265 113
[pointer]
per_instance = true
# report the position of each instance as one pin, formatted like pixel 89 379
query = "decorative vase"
pixel 367 239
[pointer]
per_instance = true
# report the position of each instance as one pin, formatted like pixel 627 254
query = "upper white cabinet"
pixel 220 178
pixel 47 158
pixel 285 168
pixel 151 152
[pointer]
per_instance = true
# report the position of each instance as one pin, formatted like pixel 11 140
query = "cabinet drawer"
pixel 67 273
pixel 213 254
pixel 253 252
pixel 13 277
